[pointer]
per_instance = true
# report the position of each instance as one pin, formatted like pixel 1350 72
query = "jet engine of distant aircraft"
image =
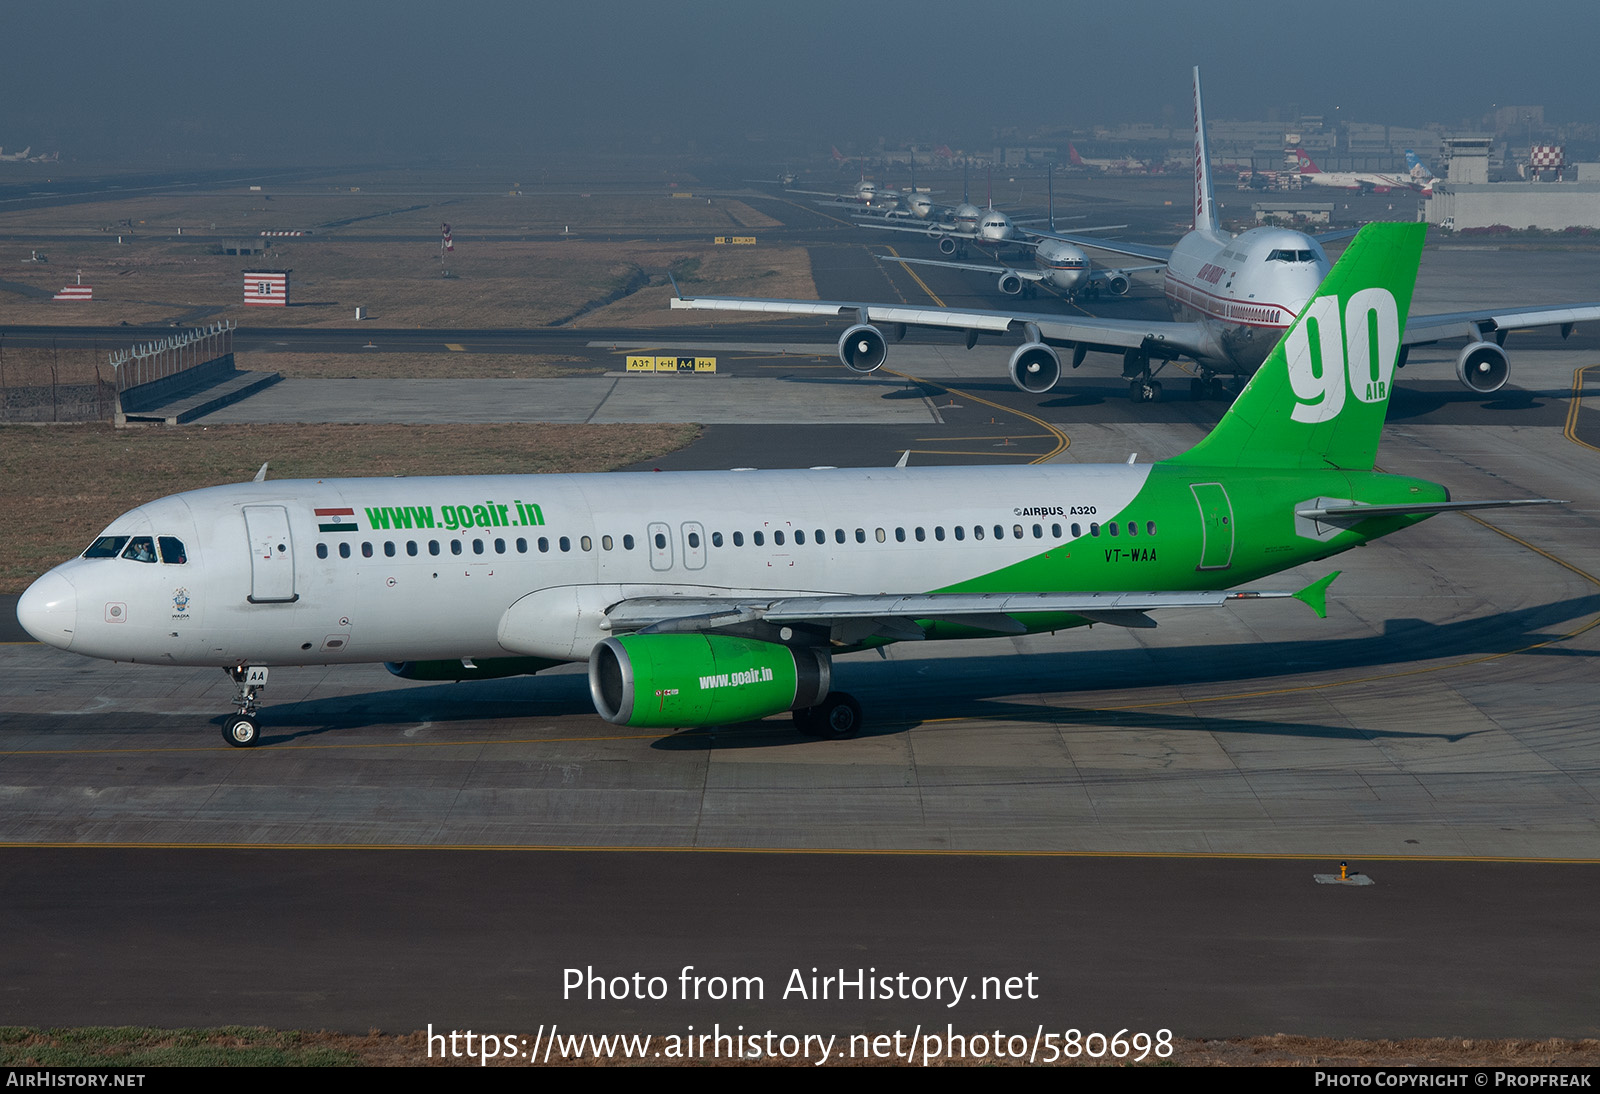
pixel 1483 367
pixel 1035 368
pixel 1011 283
pixel 862 348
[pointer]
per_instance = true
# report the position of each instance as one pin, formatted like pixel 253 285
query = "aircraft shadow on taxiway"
pixel 901 694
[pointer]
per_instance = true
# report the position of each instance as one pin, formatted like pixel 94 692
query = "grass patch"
pixel 60 485
pixel 133 1046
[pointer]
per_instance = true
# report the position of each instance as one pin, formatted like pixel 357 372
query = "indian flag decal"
pixel 336 520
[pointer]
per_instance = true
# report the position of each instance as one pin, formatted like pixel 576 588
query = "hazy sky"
pixel 405 78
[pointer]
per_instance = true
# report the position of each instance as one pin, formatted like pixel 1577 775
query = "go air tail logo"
pixel 1327 357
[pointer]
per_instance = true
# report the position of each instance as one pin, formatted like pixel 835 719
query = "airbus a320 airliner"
pixel 705 598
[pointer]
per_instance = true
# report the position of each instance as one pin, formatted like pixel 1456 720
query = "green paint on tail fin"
pixel 1315 595
pixel 1319 399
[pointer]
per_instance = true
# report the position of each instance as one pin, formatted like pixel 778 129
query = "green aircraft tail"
pixel 1320 397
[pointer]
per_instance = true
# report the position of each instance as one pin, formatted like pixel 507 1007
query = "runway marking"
pixel 960 452
pixel 907 852
pixel 1062 440
pixel 455 347
pixel 931 294
pixel 992 437
pixel 1574 405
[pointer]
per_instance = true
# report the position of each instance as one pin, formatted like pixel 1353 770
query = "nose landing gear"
pixel 243 729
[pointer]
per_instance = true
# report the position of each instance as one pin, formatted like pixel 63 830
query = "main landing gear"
pixel 243 729
pixel 1208 385
pixel 1142 385
pixel 837 716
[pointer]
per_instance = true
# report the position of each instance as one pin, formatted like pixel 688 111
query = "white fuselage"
pixel 296 572
pixel 1065 266
pixel 1244 289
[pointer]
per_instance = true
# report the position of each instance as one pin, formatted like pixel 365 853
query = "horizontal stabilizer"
pixel 1355 514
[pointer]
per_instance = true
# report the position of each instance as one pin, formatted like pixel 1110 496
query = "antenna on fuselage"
pixel 261 476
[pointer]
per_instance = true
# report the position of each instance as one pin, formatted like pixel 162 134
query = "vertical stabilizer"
pixel 1205 215
pixel 1319 399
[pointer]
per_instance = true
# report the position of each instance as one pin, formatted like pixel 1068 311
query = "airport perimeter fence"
pixel 50 384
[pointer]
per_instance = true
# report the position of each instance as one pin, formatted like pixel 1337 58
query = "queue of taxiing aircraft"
pixel 704 598
pixel 1231 297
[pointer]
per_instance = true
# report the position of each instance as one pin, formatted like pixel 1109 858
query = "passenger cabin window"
pixel 322 550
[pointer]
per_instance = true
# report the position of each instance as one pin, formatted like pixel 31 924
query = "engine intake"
pixel 1035 367
pixel 1483 367
pixel 669 681
pixel 948 245
pixel 1118 283
pixel 1011 283
pixel 862 348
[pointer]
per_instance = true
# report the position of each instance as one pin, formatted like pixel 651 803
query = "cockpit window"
pixel 172 552
pixel 141 549
pixel 1292 256
pixel 106 547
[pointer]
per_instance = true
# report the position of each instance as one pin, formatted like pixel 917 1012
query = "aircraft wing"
pixel 854 618
pixel 1117 247
pixel 1480 325
pixel 1163 338
pixel 1098 275
pixel 1025 274
pixel 932 230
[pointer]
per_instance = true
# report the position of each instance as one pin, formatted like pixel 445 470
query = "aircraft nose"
pixel 48 610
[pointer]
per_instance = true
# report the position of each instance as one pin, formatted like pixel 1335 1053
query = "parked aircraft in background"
pixel 1375 182
pixel 1232 297
pixel 1421 176
pixel 705 598
pixel 1127 165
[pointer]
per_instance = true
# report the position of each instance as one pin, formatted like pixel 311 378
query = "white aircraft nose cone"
pixel 48 610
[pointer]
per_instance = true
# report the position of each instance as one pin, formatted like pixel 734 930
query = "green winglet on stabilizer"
pixel 1315 595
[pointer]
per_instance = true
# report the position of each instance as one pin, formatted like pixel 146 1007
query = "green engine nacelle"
pixel 678 681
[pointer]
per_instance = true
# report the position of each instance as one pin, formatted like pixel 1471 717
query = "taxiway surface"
pixel 1136 816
